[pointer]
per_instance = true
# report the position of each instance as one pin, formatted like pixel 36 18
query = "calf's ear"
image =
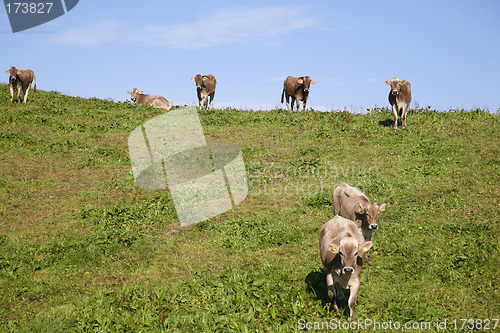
pixel 140 92
pixel 367 246
pixel 313 82
pixel 129 92
pixel 402 82
pixel 361 208
pixel 7 71
pixel 300 81
pixel 333 248
pixel 192 79
pixel 381 208
pixel 387 82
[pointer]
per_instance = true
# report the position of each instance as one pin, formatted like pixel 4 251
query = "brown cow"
pixel 158 102
pixel 298 89
pixel 400 98
pixel 20 79
pixel 205 89
pixel 354 205
pixel 343 251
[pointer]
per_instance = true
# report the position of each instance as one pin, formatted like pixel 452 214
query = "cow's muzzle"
pixel 373 226
pixel 348 270
pixel 395 92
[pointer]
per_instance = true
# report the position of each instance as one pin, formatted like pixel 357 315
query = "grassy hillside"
pixel 83 249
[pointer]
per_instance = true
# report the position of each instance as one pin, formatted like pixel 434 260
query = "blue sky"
pixel 448 50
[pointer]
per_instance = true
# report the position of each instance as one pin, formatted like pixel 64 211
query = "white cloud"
pixel 97 33
pixel 221 27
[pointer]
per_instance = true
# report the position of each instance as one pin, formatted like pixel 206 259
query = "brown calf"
pixel 298 89
pixel 158 102
pixel 354 205
pixel 20 79
pixel 205 89
pixel 343 251
pixel 400 98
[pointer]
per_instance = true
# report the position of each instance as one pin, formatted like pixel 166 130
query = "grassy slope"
pixel 83 249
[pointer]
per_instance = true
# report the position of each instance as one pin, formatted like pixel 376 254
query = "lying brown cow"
pixel 205 89
pixel 354 205
pixel 158 102
pixel 298 89
pixel 20 79
pixel 400 98
pixel 343 251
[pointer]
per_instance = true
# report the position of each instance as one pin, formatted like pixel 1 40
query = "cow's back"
pixel 162 103
pixel 291 85
pixel 155 101
pixel 405 94
pixel 332 232
pixel 345 198
pixel 26 76
pixel 210 83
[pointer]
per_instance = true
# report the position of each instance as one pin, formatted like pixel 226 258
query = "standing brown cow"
pixel 343 251
pixel 20 79
pixel 400 98
pixel 298 89
pixel 205 89
pixel 354 205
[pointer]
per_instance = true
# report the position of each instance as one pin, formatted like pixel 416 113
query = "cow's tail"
pixel 283 95
pixel 34 78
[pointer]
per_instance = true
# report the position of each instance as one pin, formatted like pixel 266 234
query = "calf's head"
pixel 306 83
pixel 134 94
pixel 198 79
pixel 369 212
pixel 349 251
pixel 395 84
pixel 13 71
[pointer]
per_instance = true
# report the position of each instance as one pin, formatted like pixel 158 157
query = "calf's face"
pixel 371 212
pixel 198 79
pixel 349 251
pixel 306 83
pixel 13 74
pixel 134 94
pixel 395 84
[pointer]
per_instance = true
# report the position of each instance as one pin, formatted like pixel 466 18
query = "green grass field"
pixel 82 249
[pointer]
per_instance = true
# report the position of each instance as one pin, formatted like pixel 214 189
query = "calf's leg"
pixel 395 114
pixel 26 93
pixel 352 302
pixel 403 115
pixel 330 285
